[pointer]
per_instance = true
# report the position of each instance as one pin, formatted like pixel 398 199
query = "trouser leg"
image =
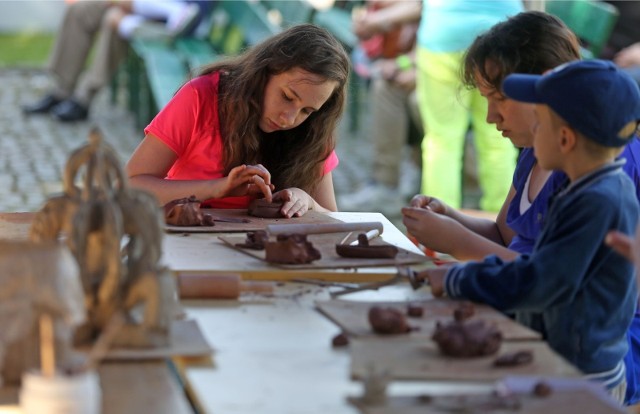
pixel 110 51
pixel 389 129
pixel 446 119
pixel 73 42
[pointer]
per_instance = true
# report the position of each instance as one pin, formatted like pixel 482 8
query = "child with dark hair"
pixel 575 290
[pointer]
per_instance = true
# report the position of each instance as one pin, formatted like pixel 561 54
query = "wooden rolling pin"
pixel 323 228
pixel 215 286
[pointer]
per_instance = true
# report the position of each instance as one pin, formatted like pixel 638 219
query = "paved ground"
pixel 33 150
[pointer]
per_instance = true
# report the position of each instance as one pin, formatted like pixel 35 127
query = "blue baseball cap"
pixel 593 96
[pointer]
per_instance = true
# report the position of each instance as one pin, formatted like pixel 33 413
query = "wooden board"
pixel 15 226
pixel 418 358
pixel 352 317
pixel 128 387
pixel 326 244
pixel 568 396
pixel 255 223
pixel 186 340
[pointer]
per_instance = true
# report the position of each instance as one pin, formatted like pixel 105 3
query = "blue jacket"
pixel 576 291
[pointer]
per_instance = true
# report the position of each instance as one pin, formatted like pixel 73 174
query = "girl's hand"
pixel 251 180
pixel 296 202
pixel 433 230
pixel 430 203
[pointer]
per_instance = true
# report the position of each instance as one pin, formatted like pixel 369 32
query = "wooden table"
pixel 197 252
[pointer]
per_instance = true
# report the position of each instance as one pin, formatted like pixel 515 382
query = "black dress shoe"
pixel 43 106
pixel 70 111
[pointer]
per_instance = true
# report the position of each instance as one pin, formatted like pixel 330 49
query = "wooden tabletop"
pixel 198 252
pixel 128 388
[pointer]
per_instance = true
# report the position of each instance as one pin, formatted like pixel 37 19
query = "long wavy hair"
pixel 529 42
pixel 294 157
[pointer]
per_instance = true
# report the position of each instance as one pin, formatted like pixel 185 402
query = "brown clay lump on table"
pixel 514 359
pixel 464 311
pixel 364 250
pixel 388 321
pixel 262 208
pixel 255 240
pixel 467 339
pixel 291 249
pixel 186 212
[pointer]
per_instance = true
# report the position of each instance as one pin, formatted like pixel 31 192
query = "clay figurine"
pixel 95 221
pixel 388 321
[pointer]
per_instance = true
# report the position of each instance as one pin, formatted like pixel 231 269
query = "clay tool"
pixel 218 286
pixel 404 273
pixel 371 234
pixel 323 228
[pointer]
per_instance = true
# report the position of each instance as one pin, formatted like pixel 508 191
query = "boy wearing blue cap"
pixel 572 288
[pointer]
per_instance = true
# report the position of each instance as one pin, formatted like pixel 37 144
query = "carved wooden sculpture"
pixel 36 278
pixel 95 219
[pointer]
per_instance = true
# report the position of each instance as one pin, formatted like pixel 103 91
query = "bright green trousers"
pixel 447 110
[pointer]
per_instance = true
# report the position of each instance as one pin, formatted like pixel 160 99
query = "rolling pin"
pixel 323 228
pixel 216 286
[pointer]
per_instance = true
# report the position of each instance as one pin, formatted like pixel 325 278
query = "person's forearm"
pixel 477 247
pixel 168 190
pixel 485 228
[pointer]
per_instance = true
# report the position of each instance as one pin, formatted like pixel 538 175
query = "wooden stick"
pixel 324 228
pixel 47 346
pixel 346 238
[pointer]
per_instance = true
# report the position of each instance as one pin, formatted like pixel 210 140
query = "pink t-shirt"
pixel 189 125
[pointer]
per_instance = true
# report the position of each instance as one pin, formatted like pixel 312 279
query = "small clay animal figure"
pixel 186 212
pixel 388 321
pixel 262 208
pixel 467 339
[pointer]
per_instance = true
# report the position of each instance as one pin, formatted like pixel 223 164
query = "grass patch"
pixel 25 49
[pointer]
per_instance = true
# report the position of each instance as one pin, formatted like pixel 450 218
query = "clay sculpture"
pixel 291 249
pixel 364 250
pixel 186 212
pixel 262 208
pixel 467 339
pixel 388 321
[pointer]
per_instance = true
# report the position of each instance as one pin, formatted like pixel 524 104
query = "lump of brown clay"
pixel 542 389
pixel 291 249
pixel 262 208
pixel 364 250
pixel 255 240
pixel 464 311
pixel 388 321
pixel 415 310
pixel 340 340
pixel 467 339
pixel 186 212
pixel 514 359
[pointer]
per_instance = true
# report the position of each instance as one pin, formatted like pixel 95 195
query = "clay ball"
pixel 388 321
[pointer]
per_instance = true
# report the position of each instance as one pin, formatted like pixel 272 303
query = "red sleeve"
pixel 330 163
pixel 176 122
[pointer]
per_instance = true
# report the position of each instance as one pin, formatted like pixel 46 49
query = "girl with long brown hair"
pixel 248 125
